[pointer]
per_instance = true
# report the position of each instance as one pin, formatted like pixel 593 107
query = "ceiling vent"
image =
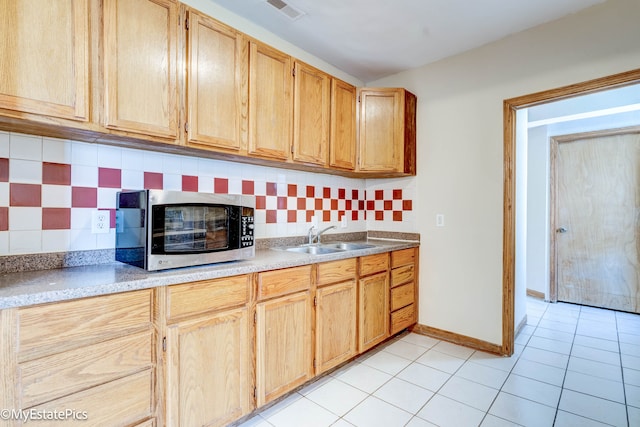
pixel 286 9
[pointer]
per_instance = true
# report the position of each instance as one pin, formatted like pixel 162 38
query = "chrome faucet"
pixel 310 237
pixel 322 231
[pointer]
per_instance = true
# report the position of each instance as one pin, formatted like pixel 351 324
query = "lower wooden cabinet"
pixel 403 312
pixel 208 375
pixel 284 358
pixel 373 309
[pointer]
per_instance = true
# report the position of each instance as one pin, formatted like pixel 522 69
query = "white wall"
pixel 460 151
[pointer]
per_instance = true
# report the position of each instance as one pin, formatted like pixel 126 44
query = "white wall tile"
pixel 81 219
pixel 106 240
pixel 235 186
pixel 83 153
pixel 132 179
pixel 109 157
pixel 82 240
pixel 25 171
pixel 107 198
pixel 56 196
pixel 205 184
pixel 26 147
pixel 84 176
pixel 56 240
pixel 21 218
pixel 4 144
pixel 152 162
pixel 4 242
pixel 132 160
pixel 4 194
pixel 25 242
pixel 172 182
pixel 188 165
pixel 56 150
pixel 171 164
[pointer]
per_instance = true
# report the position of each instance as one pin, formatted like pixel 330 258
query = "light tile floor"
pixel 573 366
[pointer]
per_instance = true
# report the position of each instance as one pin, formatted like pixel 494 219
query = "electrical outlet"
pixel 343 222
pixel 100 222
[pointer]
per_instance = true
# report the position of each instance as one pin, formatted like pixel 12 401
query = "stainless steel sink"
pixel 346 246
pixel 313 250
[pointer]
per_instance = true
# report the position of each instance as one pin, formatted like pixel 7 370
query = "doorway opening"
pixel 514 290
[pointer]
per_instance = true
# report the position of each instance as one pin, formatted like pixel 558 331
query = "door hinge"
pixel 186 127
pixel 315 301
pixel 164 343
pixel 186 23
pixel 293 71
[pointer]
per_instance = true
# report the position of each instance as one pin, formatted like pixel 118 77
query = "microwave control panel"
pixel 246 234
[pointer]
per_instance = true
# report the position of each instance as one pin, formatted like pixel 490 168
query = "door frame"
pixel 553 194
pixel 510 107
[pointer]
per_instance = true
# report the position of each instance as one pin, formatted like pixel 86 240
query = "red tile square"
pixel 109 178
pixel 354 215
pixel 388 205
pixel 84 197
pixel 292 216
pixel 292 190
pixel 407 205
pixel 311 190
pixel 347 204
pixel 248 187
pixel 302 203
pixel 340 215
pixel 318 204
pixel 56 218
pixel 334 204
pixel 397 215
pixel 326 216
pixel 261 202
pixel 57 173
pixel 361 205
pixel 309 215
pixel 112 217
pixel 342 193
pixel 397 194
pixel 326 192
pixel 371 205
pixel 25 195
pixel 220 185
pixel 4 218
pixel 272 189
pixel 153 181
pixel 4 170
pixel 282 203
pixel 379 195
pixel 354 194
pixel 190 183
pixel 379 215
pixel 272 217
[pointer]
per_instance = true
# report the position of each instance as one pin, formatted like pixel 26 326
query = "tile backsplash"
pixel 50 187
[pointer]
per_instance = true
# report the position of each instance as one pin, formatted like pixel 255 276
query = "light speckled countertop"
pixel 37 287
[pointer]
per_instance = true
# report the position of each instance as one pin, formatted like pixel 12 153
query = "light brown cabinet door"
pixel 45 61
pixel 342 145
pixel 208 375
pixel 387 139
pixel 217 59
pixel 284 358
pixel 311 114
pixel 373 306
pixel 270 102
pixel 335 325
pixel 140 66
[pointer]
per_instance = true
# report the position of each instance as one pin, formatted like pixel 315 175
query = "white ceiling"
pixel 370 39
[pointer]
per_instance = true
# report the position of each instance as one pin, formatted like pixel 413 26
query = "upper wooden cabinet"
pixel 140 66
pixel 45 57
pixel 270 106
pixel 216 84
pixel 311 114
pixel 387 125
pixel 343 143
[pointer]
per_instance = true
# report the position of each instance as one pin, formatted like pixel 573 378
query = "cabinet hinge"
pixel 186 127
pixel 164 343
pixel 314 363
pixel 358 98
pixel 186 23
pixel 315 302
pixel 255 392
pixel 255 317
pixel 292 149
pixel 293 72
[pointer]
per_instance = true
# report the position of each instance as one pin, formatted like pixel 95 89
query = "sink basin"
pixel 314 250
pixel 346 246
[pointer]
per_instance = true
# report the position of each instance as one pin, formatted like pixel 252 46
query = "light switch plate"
pixel 439 220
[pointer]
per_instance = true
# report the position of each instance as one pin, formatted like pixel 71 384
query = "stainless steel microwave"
pixel 157 229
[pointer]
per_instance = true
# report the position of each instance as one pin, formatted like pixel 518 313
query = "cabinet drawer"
pixel 402 275
pixel 374 264
pixel 53 328
pixel 403 257
pixel 197 297
pixel 282 282
pixel 336 271
pixel 65 373
pixel 403 318
pixel 118 403
pixel 402 296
